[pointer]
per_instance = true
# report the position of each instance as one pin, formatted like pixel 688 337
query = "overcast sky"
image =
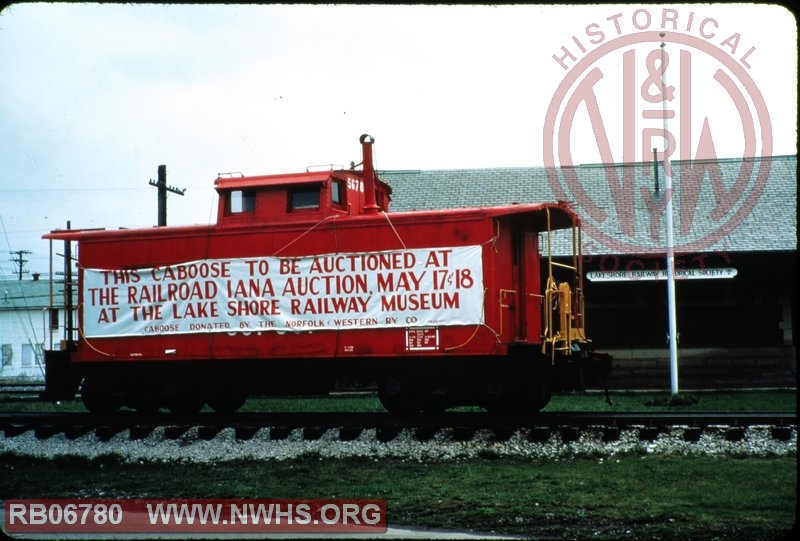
pixel 94 97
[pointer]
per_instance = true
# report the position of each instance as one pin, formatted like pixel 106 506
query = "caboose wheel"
pixel 183 397
pixel 228 402
pixel 508 396
pixel 185 403
pixel 98 395
pixel 146 403
pixel 396 395
pixel 437 397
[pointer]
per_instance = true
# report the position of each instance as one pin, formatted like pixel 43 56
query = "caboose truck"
pixel 306 279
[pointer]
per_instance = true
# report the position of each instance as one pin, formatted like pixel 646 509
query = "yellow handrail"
pixel 560 297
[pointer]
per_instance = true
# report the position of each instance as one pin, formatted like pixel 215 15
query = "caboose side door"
pixel 528 302
pixel 526 315
pixel 519 331
pixel 532 294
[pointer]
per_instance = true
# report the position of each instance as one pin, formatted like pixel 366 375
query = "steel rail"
pixel 349 420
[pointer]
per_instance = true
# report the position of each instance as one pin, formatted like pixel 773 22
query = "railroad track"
pixel 459 426
pixel 20 393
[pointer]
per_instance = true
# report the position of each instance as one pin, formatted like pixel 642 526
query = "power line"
pixel 48 190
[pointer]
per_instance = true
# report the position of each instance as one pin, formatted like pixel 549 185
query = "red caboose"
pixel 307 279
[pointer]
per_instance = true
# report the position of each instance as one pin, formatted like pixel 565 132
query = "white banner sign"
pixel 403 288
pixel 660 274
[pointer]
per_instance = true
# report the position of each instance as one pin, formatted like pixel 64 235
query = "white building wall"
pixel 25 330
pixel 23 336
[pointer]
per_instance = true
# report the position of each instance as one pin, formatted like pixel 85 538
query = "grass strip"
pixel 734 401
pixel 627 497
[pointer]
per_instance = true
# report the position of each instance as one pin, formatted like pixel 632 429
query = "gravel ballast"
pixel 756 441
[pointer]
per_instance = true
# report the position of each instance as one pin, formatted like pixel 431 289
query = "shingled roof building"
pixel 735 219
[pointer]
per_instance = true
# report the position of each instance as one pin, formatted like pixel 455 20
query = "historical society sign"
pixel 659 274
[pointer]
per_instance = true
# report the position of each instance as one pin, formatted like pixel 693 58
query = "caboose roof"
pixel 266 181
pixel 287 179
pixel 89 234
pixel 560 217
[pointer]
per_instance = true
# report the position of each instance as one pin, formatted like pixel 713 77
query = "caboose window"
pixel 304 198
pixel 337 192
pixel 242 201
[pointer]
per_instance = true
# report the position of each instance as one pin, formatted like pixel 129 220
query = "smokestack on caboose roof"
pixel 370 204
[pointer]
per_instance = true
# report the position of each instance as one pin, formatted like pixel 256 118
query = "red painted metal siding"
pixel 491 229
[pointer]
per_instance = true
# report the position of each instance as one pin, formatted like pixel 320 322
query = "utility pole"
pixel 20 261
pixel 161 184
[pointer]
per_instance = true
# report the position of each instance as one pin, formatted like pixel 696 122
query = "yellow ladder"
pixel 568 324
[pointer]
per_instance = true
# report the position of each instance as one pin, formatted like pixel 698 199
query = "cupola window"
pixel 304 198
pixel 242 201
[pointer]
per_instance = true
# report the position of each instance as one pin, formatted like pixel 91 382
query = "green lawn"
pixel 628 497
pixel 625 497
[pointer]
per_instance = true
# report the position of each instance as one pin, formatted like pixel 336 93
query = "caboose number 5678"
pixel 306 279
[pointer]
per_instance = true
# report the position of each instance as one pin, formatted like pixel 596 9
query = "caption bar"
pixel 199 516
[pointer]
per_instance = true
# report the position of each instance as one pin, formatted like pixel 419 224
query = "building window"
pixel 338 192
pixel 8 353
pixel 27 355
pixel 54 318
pixel 242 201
pixel 304 198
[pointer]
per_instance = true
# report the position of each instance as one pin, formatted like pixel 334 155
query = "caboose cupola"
pixel 301 197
